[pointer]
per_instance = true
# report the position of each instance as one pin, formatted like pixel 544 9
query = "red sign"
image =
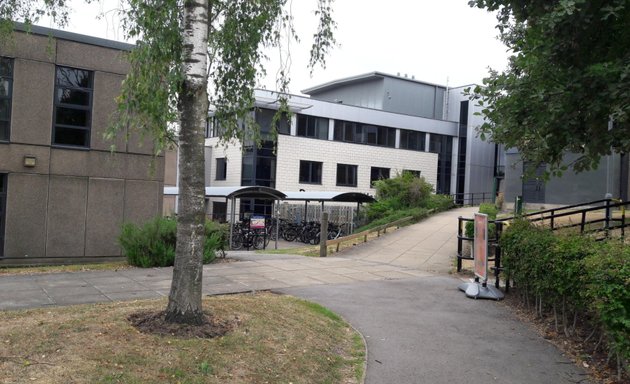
pixel 480 246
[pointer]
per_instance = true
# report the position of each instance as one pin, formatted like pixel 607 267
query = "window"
pixel 310 172
pixel 414 173
pixel 221 168
pixel 412 140
pixel 73 107
pixel 378 174
pixel 346 175
pixel 6 88
pixel 364 134
pixel 311 126
pixel 265 117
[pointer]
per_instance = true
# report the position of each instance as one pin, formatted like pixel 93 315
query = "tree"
pixel 567 85
pixel 185 47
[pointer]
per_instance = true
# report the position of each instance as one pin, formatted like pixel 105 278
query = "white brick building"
pixel 351 132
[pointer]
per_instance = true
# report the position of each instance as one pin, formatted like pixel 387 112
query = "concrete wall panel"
pixel 106 89
pixel 29 46
pixel 27 199
pixel 12 158
pixel 32 106
pixel 66 216
pixel 85 56
pixel 143 200
pixel 104 217
pixel 170 167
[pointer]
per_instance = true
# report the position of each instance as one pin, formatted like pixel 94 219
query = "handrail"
pixel 552 210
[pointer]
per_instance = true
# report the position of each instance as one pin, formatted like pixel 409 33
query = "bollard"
pixel 323 235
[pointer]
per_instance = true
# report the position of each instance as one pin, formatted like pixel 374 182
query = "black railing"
pixel 472 198
pixel 549 217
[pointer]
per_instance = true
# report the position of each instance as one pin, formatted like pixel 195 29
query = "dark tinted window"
pixel 364 134
pixel 310 172
pixel 377 173
pixel 412 140
pixel 6 89
pixel 73 107
pixel 221 169
pixel 346 175
pixel 311 126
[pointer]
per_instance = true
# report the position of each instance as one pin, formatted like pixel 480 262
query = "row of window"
pixel 72 114
pixel 311 173
pixel 346 131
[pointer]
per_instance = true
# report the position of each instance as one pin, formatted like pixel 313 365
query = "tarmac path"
pixel 395 290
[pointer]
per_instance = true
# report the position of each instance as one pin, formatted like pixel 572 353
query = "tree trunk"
pixel 184 301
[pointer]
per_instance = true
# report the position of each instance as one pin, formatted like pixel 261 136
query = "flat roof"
pixel 259 192
pixel 65 35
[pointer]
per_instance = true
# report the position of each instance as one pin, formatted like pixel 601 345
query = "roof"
pixel 253 192
pixel 64 35
pixel 258 192
pixel 376 75
pixel 349 197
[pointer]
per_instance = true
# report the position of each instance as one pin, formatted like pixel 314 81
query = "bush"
pixel 574 275
pixel 153 244
pixel 489 209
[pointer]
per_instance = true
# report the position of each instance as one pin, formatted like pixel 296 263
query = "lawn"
pixel 275 339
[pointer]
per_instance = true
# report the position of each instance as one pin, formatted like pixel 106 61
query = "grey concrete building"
pixel 63 193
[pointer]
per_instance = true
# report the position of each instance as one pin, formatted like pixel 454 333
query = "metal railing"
pixel 472 198
pixel 553 219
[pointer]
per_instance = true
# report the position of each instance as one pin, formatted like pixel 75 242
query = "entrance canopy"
pixel 252 192
pixel 347 197
pixel 258 192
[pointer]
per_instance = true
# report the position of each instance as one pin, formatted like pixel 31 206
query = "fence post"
pixel 607 222
pixel 459 244
pixel 323 235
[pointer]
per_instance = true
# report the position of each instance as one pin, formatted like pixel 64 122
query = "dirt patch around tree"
pixel 154 323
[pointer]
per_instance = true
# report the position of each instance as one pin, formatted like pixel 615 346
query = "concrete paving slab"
pixel 132 295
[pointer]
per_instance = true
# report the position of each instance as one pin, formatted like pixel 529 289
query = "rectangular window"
pixel 6 91
pixel 221 168
pixel 412 140
pixel 364 134
pixel 378 173
pixel 310 172
pixel 311 126
pixel 265 118
pixel 73 107
pixel 414 173
pixel 346 175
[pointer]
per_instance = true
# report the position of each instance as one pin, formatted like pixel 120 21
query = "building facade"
pixel 351 132
pixel 64 194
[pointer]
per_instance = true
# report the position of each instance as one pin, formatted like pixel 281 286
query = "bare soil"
pixel 154 323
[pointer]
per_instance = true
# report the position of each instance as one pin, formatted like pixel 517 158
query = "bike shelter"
pixel 267 193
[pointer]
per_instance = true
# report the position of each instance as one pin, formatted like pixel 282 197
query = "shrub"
pixel 153 244
pixel 572 274
pixel 489 209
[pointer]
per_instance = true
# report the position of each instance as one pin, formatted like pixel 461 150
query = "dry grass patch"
pixel 275 339
pixel 113 266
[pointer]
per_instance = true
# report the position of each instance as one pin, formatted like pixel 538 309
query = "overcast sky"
pixel 433 40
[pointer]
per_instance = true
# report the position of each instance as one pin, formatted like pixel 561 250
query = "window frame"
pixel 353 175
pixel 9 78
pixel 312 170
pixel 313 122
pixel 222 167
pixel 373 180
pixel 77 107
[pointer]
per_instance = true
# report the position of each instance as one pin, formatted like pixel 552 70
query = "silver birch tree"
pixel 184 47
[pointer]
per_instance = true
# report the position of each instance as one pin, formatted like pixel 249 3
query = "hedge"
pixel 153 244
pixel 571 276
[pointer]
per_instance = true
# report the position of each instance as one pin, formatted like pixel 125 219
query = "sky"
pixel 443 42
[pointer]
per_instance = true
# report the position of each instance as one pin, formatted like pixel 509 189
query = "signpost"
pixel 479 288
pixel 480 246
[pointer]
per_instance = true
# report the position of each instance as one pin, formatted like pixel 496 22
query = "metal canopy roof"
pixel 252 192
pixel 258 192
pixel 348 197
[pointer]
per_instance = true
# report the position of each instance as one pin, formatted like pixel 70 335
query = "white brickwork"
pixel 292 149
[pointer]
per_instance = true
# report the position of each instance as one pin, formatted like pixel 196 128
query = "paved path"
pixel 418 327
